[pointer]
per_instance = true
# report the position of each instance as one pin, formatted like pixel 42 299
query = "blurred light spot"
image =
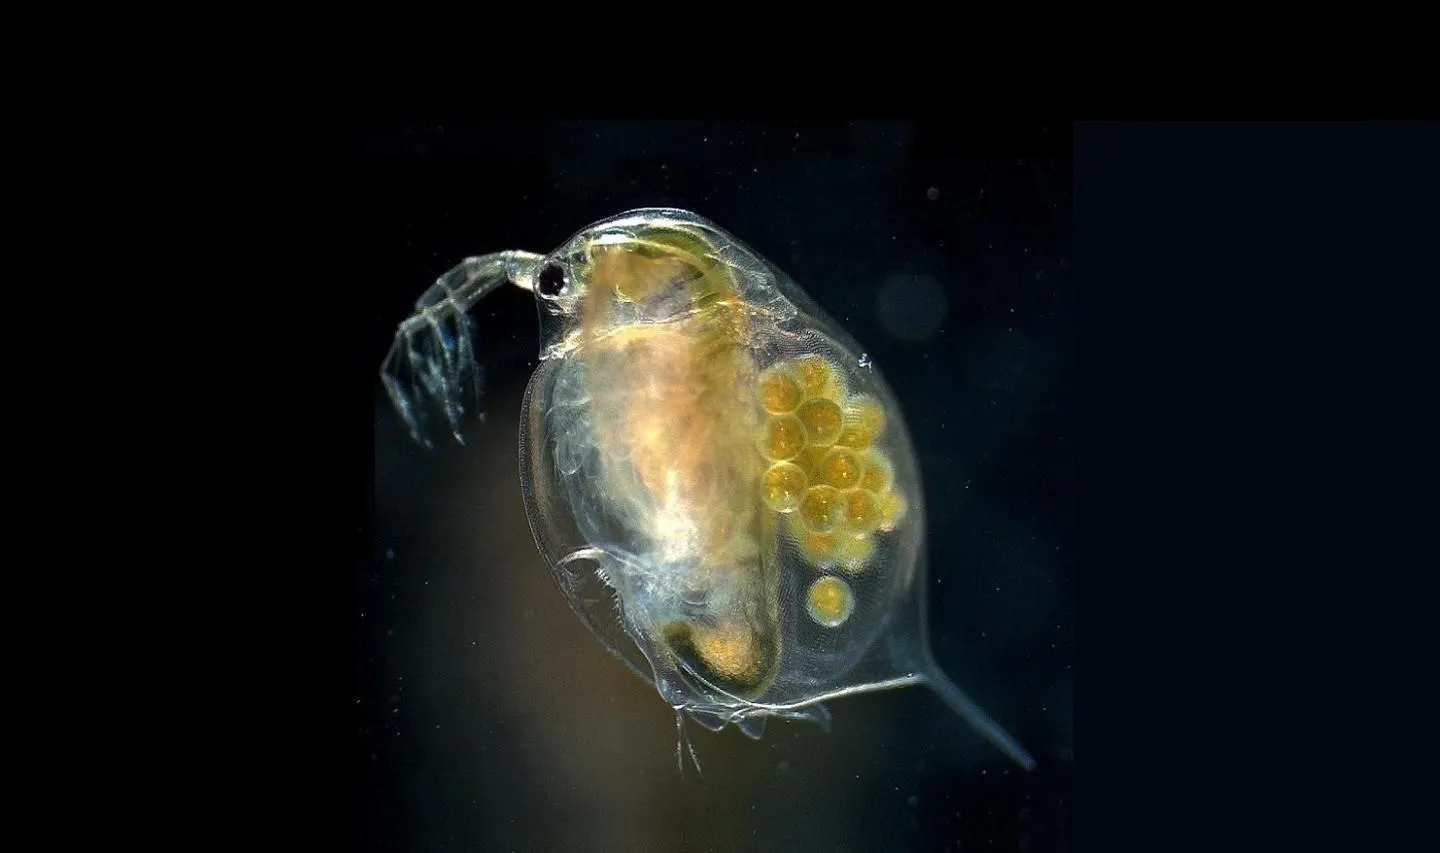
pixel 911 307
pixel 932 193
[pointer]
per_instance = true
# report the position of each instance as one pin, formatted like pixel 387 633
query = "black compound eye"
pixel 551 281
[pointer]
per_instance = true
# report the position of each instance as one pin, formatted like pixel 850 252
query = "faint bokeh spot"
pixel 932 193
pixel 911 307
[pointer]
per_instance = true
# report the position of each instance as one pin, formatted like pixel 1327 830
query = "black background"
pixel 484 717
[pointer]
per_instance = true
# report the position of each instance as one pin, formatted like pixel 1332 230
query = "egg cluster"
pixel 826 474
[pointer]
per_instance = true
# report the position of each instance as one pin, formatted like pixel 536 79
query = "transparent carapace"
pixel 720 480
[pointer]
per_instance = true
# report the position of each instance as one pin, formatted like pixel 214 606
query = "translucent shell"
pixel 723 487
